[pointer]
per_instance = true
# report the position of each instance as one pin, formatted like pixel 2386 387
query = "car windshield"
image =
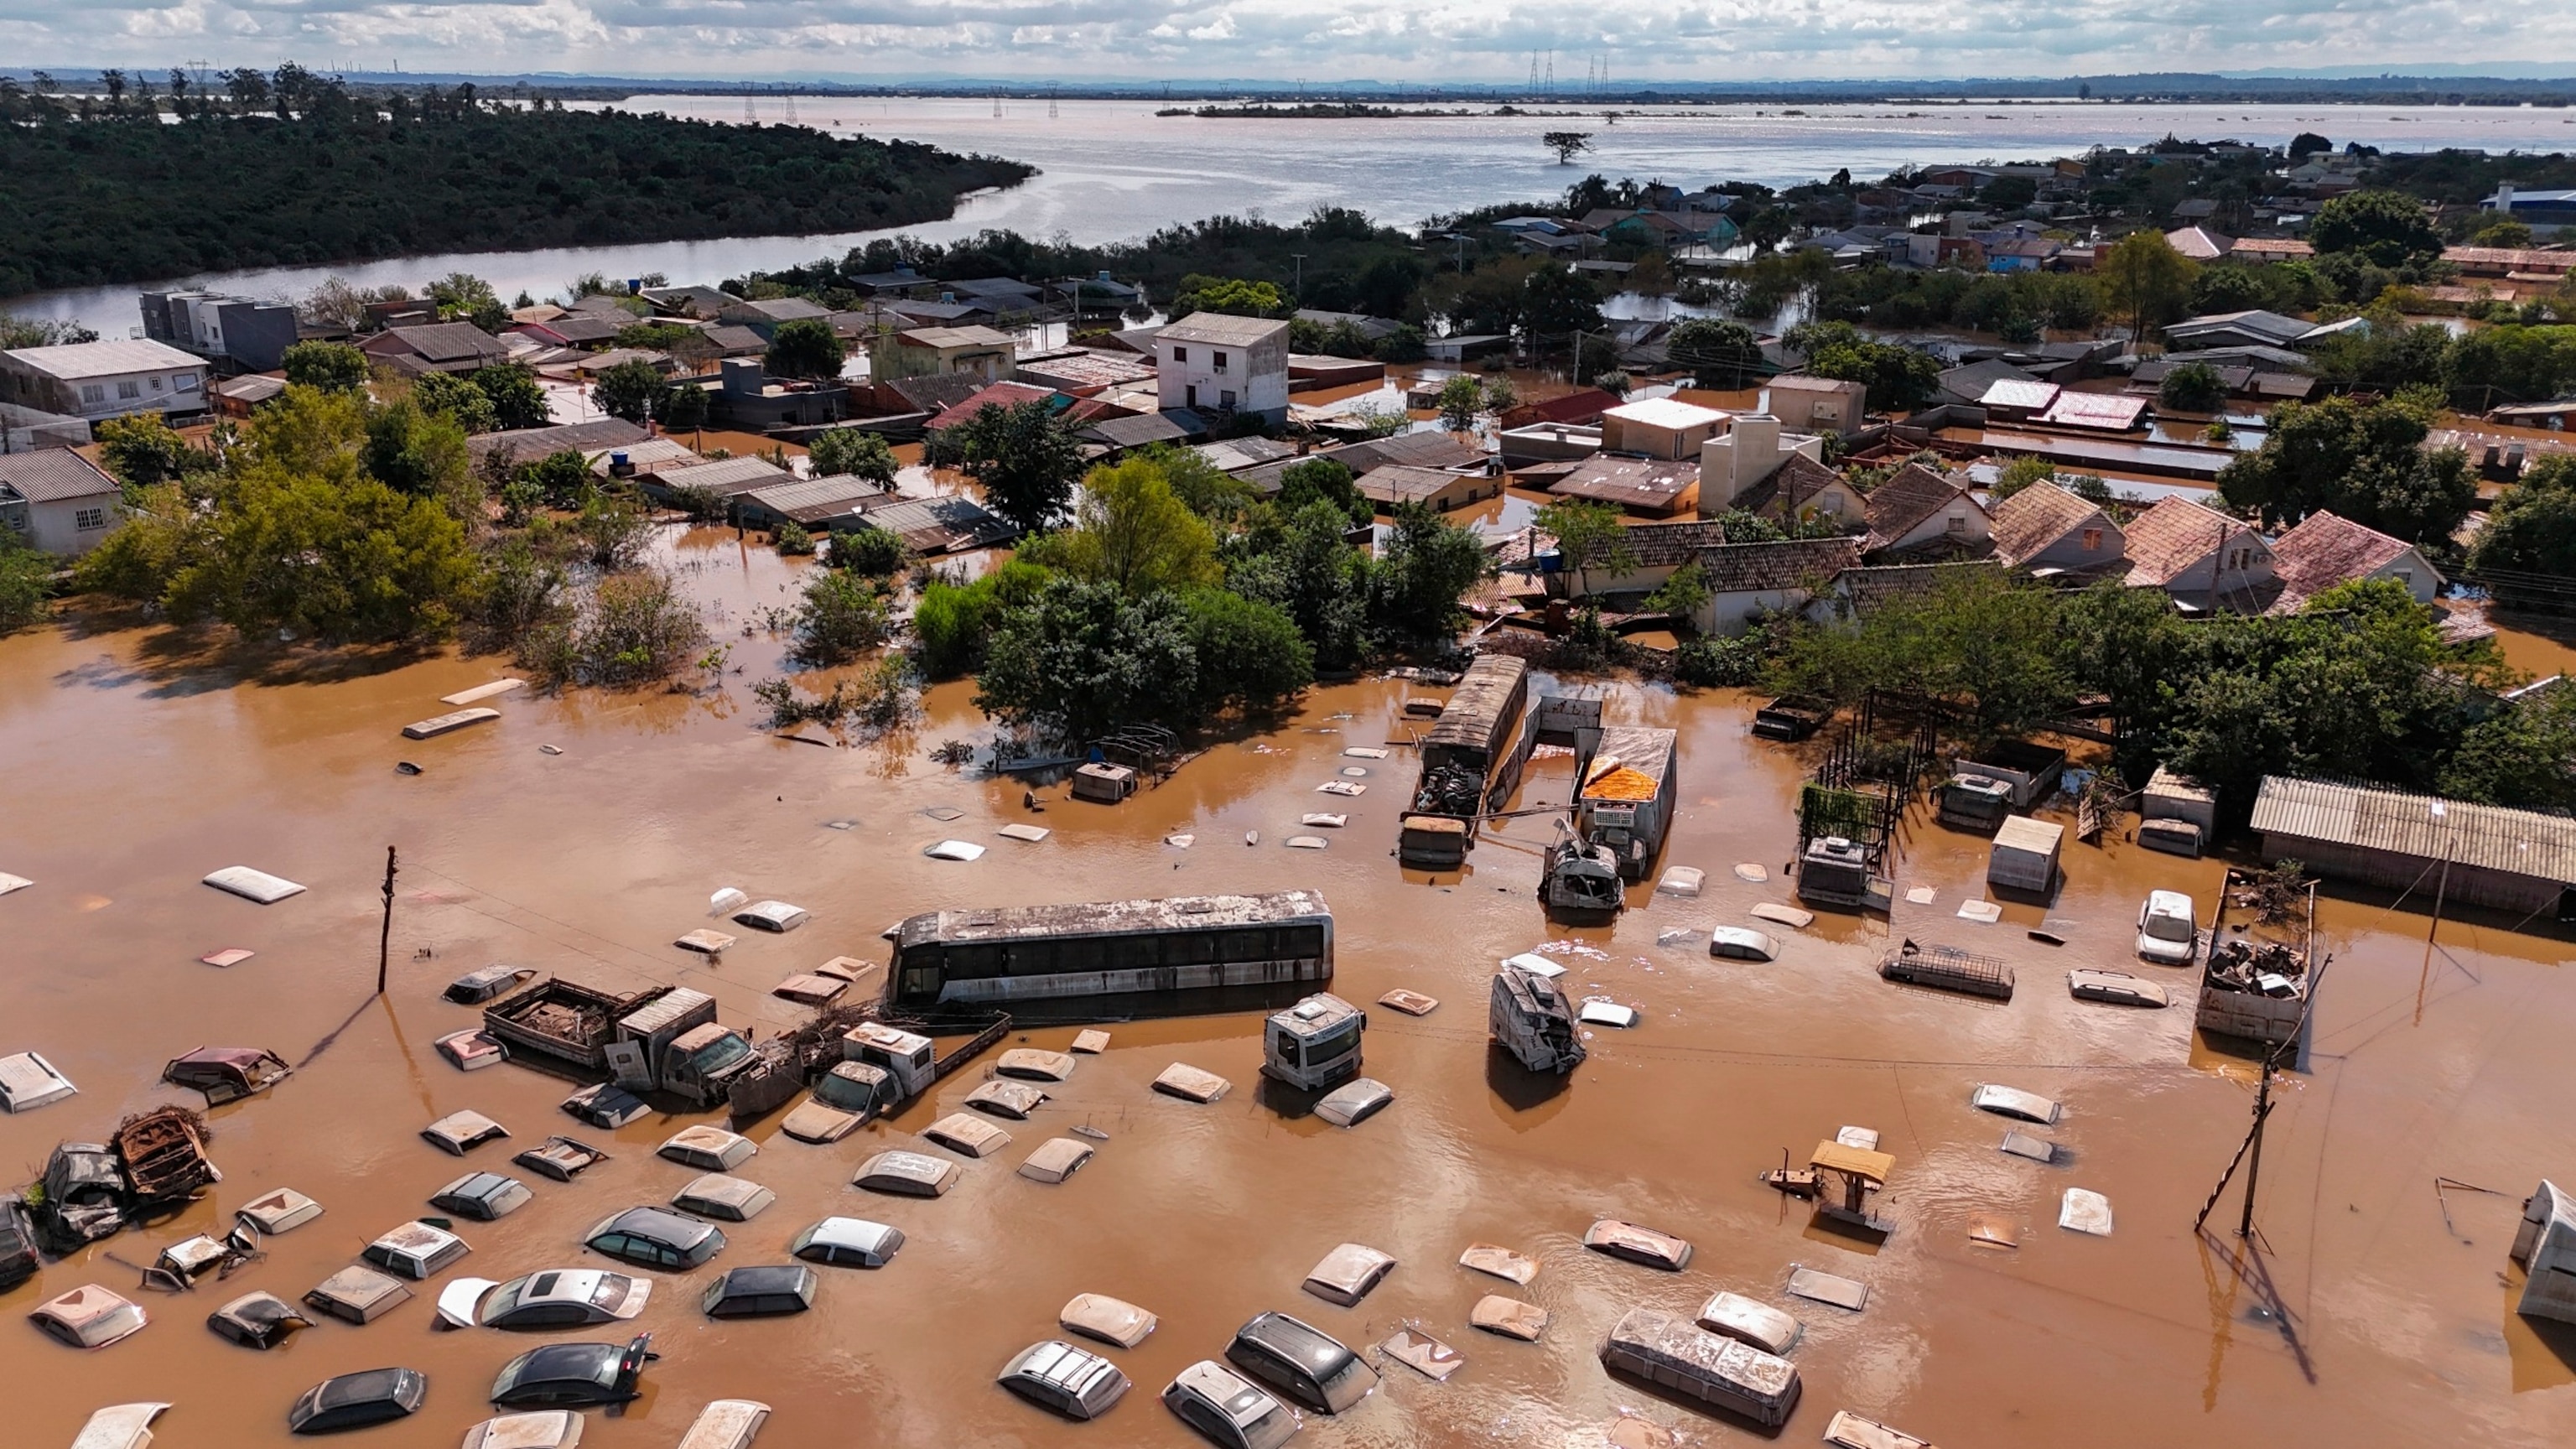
pixel 717 1056
pixel 1350 1385
pixel 610 1292
pixel 841 1092
pixel 2170 928
pixel 510 1294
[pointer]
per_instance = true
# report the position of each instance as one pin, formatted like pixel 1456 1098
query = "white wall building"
pixel 1216 363
pixel 99 380
pixel 57 500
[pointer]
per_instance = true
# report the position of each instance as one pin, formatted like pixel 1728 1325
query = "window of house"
pixel 1219 362
pixel 93 393
pixel 2406 577
pixel 129 388
pixel 1958 523
pixel 89 518
pixel 184 382
pixel 1225 399
pixel 156 384
pixel 2092 540
pixel 1180 354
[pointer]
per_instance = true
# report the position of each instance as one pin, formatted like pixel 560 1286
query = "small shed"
pixel 1104 782
pixel 2025 855
pixel 2180 815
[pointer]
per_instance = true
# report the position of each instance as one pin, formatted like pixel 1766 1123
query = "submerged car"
pixel 482 1196
pixel 359 1400
pixel 257 1320
pixel 1074 1382
pixel 760 1292
pixel 556 1298
pixel 652 1237
pixel 1310 1366
pixel 543 1429
pixel 18 1260
pixel 1228 1409
pixel 89 1317
pixel 226 1074
pixel 2168 929
pixel 848 1243
pixel 564 1375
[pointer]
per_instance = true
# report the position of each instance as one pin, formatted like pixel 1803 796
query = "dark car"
pixel 571 1375
pixel 84 1198
pixel 760 1292
pixel 1302 1361
pixel 1228 1409
pixel 257 1320
pixel 655 1237
pixel 226 1074
pixel 18 1261
pixel 356 1401
pixel 482 1196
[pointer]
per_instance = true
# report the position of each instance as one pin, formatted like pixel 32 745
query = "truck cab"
pixel 1315 1043
pixel 703 1061
pixel 1531 1020
pixel 906 1056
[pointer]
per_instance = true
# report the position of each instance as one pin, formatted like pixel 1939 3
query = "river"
pixel 1112 170
pixel 138 763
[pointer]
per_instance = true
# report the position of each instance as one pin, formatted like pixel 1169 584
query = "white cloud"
pixel 1449 42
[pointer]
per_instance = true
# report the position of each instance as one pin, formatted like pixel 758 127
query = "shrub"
pixel 793 541
pixel 841 618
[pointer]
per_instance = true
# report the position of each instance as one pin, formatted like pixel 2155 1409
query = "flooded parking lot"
pixel 2381 1313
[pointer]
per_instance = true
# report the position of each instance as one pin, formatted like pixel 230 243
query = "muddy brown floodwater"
pixel 133 771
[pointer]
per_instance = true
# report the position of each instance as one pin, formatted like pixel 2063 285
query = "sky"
pixel 1317 41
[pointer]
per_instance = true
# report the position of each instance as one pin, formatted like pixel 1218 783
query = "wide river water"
pixel 138 763
pixel 1112 170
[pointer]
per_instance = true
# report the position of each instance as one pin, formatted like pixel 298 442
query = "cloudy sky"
pixel 1459 41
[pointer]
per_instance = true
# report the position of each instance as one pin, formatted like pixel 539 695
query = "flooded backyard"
pixel 2380 1314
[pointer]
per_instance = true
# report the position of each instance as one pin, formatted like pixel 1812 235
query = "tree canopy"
pixel 2386 228
pixel 1024 455
pixel 2363 461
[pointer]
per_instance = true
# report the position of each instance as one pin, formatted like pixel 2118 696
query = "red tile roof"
pixel 2169 538
pixel 1000 394
pixel 2030 521
pixel 2326 550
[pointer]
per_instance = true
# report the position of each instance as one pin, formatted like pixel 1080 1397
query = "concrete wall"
pixel 1187 375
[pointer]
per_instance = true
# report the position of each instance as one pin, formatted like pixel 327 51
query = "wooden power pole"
pixel 385 937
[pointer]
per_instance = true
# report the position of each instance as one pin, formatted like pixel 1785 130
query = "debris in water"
pixel 229 956
pixel 1355 772
pixel 1423 1354
pixel 10 883
pixel 1252 837
pixel 1182 841
pixel 1029 833
pixel 725 900
pixel 954 850
pixel 1341 787
pixel 1785 915
pixel 1365 752
pixel 405 767
pixel 1305 842
pixel 1324 820
pixel 840 824
pixel 436 725
pixel 2048 938
pixel 1411 1003
pixel 1984 913
pixel 1993 1232
pixel 1684 937
pixel 1921 895
pixel 1750 871
pixel 943 813
pixel 2085 1211
pixel 549 749
pixel 481 692
pixel 710 943
pixel 1091 1042
pixel 1087 1130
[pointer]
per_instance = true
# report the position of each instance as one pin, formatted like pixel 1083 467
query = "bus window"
pixel 974 961
pixel 1303 943
pixel 1035 958
pixel 1247 944
pixel 920 978
pixel 1131 953
pixel 1082 953
pixel 1194 948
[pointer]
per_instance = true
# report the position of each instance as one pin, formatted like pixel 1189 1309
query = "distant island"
pixel 91 195
pixel 1302 111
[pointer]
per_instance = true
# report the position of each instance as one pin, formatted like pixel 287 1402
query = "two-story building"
pixel 250 336
pixel 95 381
pixel 933 351
pixel 1211 362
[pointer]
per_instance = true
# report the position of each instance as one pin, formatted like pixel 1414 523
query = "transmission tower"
pixel 1551 75
pixel 1533 85
pixel 1052 113
pixel 791 106
pixel 997 105
pixel 750 108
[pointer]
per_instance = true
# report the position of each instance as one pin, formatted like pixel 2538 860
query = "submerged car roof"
pixel 660 1223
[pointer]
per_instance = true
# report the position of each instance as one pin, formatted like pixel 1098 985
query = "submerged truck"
pixel 2004 779
pixel 1626 802
pixel 664 1038
pixel 1531 1019
pixel 1471 760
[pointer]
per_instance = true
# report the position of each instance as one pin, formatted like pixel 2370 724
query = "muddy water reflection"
pixel 131 776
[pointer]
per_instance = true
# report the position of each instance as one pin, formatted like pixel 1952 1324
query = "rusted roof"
pixel 1865 589
pixel 2419 827
pixel 1913 494
pixel 1743 568
pixel 728 476
pixel 2326 550
pixel 2169 538
pixel 2030 521
pixel 2115 412
pixel 945 524
pixel 1400 483
pixel 1475 714
pixel 1631 482
pixel 1669 545
pixel 1000 394
pixel 1795 482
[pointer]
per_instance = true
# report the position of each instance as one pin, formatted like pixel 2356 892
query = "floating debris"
pixel 1827 1288
pixel 229 956
pixel 1500 1262
pixel 705 942
pixel 436 725
pixel 1323 820
pixel 1921 895
pixel 1341 787
pixel 1752 872
pixel 481 692
pixel 943 813
pixel 1411 1003
pixel 1305 842
pixel 1423 1354
pixel 1181 841
pixel 1785 915
pixel 1364 752
pixel 1681 880
pixel 1091 1042
pixel 1509 1317
pixel 1984 913
pixel 405 767
pixel 1993 1232
pixel 954 850
pixel 10 883
pixel 549 749
pixel 2085 1211
pixel 253 885
pixel 1030 833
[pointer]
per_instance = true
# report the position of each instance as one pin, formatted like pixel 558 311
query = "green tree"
pixel 2362 461
pixel 952 622
pixel 1131 530
pixel 2508 233
pixel 423 454
pixel 464 297
pixel 629 390
pixel 1719 354
pixel 1326 480
pixel 682 407
pixel 1461 398
pixel 1250 656
pixel 841 618
pixel 1980 639
pixel 517 401
pixel 1588 535
pixel 2385 228
pixel 869 552
pixel 1084 660
pixel 26 583
pixel 855 452
pixel 1232 296
pixel 1566 144
pixel 453 396
pixel 2523 756
pixel 2144 280
pixel 1683 594
pixel 2193 387
pixel 2532 527
pixel 330 366
pixel 560 479
pixel 1025 457
pixel 1210 491
pixel 142 450
pixel 806 347
pixel 1426 569
pixel 2018 474
pixel 1304 565
pixel 341 562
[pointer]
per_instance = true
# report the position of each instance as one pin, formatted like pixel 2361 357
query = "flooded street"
pixel 135 770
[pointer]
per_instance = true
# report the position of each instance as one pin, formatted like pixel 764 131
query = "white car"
pixel 2168 929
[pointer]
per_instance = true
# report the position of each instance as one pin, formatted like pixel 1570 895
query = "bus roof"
pixel 1171 913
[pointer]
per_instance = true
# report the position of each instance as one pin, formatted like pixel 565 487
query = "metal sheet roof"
pixel 2422 827
pixel 72 361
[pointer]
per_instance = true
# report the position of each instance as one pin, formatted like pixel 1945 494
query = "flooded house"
pixel 2486 855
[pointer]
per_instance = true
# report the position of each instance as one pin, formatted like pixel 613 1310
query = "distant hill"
pixel 120 198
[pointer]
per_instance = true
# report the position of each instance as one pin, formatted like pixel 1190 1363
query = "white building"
pixel 57 500
pixel 94 381
pixel 1228 364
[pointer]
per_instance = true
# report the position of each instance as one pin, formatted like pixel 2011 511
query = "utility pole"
pixel 385 937
pixel 1300 285
pixel 2440 893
